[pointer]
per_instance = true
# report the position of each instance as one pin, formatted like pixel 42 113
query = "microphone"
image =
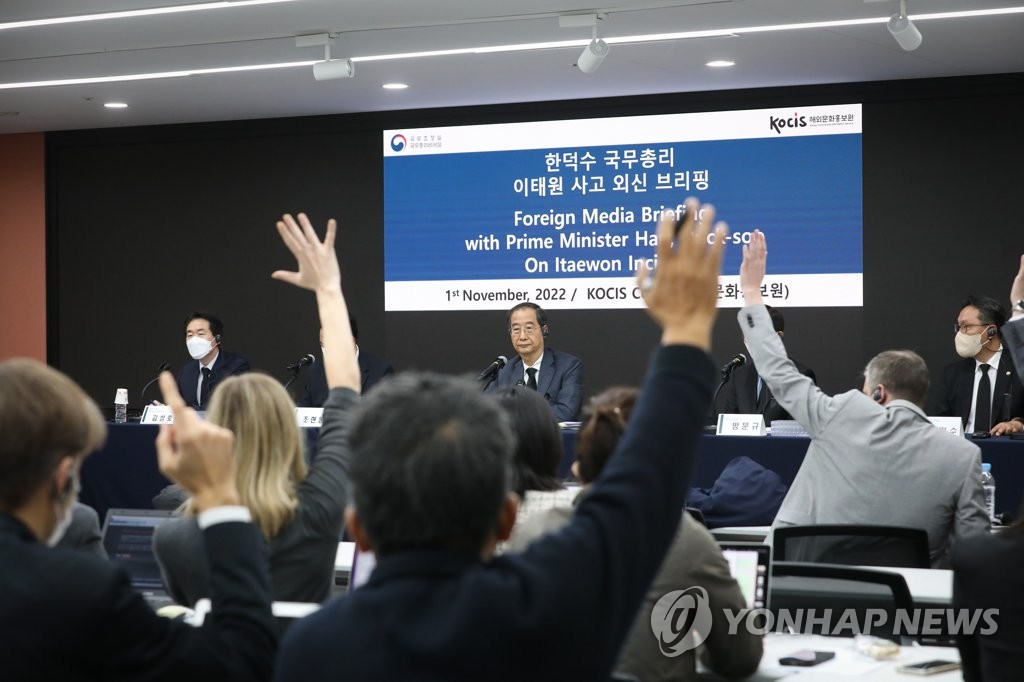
pixel 305 360
pixel 728 368
pixel 492 369
pixel 164 366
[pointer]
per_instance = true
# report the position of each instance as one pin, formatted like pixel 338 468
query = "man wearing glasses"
pixel 556 375
pixel 982 389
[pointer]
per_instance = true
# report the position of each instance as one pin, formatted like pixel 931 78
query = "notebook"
pixel 128 540
pixel 749 564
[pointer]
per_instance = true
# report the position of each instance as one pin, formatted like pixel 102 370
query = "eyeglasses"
pixel 529 329
pixel 964 327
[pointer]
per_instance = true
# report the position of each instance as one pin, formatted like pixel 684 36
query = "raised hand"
pixel 752 269
pixel 318 263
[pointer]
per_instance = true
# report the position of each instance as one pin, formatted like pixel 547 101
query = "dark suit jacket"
pixel 958 385
pixel 69 615
pixel 84 532
pixel 1013 340
pixel 558 611
pixel 988 573
pixel 741 393
pixel 227 364
pixel 561 382
pixel 314 394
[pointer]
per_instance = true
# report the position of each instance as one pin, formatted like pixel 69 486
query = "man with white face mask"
pixel 211 363
pixel 982 389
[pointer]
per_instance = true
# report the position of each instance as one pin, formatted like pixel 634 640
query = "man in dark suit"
pixel 556 375
pixel 988 570
pixel 746 393
pixel 429 475
pixel 1013 331
pixel 982 389
pixel 210 364
pixel 372 367
pixel 70 615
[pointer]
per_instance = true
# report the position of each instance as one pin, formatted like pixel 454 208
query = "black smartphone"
pixel 928 667
pixel 977 435
pixel 806 658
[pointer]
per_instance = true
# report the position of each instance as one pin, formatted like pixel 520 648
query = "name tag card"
pixel 740 425
pixel 309 417
pixel 157 414
pixel 949 424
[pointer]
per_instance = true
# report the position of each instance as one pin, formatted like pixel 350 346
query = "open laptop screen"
pixel 128 540
pixel 749 565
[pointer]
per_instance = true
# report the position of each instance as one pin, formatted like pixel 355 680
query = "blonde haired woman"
pixel 299 513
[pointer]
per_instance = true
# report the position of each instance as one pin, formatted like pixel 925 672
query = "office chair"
pixel 853 545
pixel 803 586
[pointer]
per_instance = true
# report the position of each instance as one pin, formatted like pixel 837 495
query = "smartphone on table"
pixel 928 667
pixel 806 658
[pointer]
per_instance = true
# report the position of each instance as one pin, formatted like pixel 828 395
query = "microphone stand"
pixel 490 380
pixel 726 375
pixel 295 375
pixel 142 393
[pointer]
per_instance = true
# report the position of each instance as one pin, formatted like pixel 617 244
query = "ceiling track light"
pixel 329 69
pixel 596 50
pixel 903 29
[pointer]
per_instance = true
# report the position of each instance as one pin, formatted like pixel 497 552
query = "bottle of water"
pixel 121 406
pixel 988 484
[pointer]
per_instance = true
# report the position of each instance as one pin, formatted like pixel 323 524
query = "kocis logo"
pixel 795 121
pixel 398 142
pixel 681 620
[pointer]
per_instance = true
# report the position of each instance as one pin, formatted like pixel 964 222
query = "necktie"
pixel 983 406
pixel 204 390
pixel 532 380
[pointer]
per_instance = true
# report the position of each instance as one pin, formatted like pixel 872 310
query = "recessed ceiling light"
pixel 719 63
pixel 394 86
pixel 115 105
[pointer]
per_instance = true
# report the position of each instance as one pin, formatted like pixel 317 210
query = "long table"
pixel 124 472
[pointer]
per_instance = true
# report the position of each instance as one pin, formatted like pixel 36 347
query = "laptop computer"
pixel 750 565
pixel 128 541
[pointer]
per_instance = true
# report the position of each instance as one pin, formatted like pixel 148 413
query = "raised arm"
pixel 612 548
pixel 1013 331
pixel 795 392
pixel 319 272
pixel 324 489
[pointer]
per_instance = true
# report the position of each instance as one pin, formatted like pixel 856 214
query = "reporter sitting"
pixel 300 515
pixel 430 467
pixel 693 559
pixel 67 614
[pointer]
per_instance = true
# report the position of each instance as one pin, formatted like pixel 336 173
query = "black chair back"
pixel 853 545
pixel 798 588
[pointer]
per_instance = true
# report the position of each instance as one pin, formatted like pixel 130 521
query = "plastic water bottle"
pixel 121 406
pixel 988 484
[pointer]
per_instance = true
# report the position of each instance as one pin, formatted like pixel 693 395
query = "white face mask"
pixel 967 346
pixel 198 347
pixel 64 518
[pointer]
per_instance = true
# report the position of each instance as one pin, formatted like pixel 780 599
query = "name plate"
pixel 952 425
pixel 157 414
pixel 740 425
pixel 309 417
